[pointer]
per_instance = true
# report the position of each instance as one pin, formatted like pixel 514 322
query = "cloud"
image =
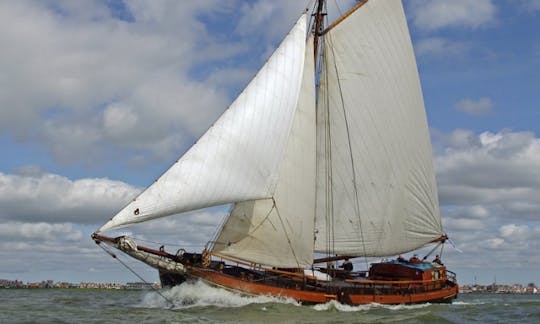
pixel 438 46
pixel 45 220
pixel 436 14
pixel 489 186
pixel 142 79
pixel 494 168
pixel 14 231
pixel 482 106
pixel 530 5
pixel 489 190
pixel 514 232
pixel 99 83
pixel 53 198
pixel 276 17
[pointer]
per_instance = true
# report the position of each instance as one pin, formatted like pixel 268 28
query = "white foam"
pixel 334 305
pixel 467 303
pixel 199 294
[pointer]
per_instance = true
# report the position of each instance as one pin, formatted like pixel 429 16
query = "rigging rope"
pixel 219 229
pixel 286 234
pixel 111 253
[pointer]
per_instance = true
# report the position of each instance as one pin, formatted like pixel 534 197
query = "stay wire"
pixel 109 252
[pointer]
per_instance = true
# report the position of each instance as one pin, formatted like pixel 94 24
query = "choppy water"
pixel 198 303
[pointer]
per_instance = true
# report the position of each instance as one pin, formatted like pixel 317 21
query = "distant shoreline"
pixel 50 284
pixel 500 289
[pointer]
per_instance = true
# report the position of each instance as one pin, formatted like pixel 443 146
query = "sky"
pixel 98 98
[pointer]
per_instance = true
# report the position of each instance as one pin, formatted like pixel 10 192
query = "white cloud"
pixel 514 232
pixel 55 199
pixel 494 243
pixel 65 90
pixel 436 14
pixel 530 5
pixel 14 231
pixel 465 224
pixel 119 120
pixel 489 189
pixel 481 106
pixel 505 162
pixel 438 46
pixel 98 84
pixel 275 17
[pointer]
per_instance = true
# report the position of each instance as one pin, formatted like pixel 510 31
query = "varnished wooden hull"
pixel 393 282
pixel 357 294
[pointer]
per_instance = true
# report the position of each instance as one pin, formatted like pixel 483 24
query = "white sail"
pixel 278 231
pixel 376 190
pixel 238 158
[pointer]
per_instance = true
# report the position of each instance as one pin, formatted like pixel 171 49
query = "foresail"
pixel 238 158
pixel 376 190
pixel 278 231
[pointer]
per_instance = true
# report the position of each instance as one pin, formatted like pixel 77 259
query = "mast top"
pixel 318 27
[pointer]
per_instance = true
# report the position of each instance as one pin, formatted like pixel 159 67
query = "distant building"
pixel 142 285
pixel 500 289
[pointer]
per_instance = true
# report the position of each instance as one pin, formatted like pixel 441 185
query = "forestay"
pixel 376 191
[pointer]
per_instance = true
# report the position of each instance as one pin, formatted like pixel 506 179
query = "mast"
pixel 318 27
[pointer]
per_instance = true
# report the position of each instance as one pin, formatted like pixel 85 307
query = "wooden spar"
pixel 114 240
pixel 394 282
pixel 98 238
pixel 317 29
pixel 330 259
pixel 345 15
pixel 440 239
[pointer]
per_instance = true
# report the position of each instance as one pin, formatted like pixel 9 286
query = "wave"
pixel 462 303
pixel 337 306
pixel 199 294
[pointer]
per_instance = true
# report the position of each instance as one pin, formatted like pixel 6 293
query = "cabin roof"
pixel 420 266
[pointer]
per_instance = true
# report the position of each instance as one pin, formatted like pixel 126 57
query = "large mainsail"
pixel 239 157
pixel 376 191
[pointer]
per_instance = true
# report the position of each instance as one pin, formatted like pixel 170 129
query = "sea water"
pixel 199 303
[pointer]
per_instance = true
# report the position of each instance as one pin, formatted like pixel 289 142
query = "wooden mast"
pixel 318 27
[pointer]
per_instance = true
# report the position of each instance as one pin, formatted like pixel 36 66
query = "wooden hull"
pixel 393 282
pixel 356 293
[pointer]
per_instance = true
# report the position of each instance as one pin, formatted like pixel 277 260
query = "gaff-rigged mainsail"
pixel 376 190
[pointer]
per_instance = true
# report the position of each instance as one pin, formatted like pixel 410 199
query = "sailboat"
pixel 324 157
